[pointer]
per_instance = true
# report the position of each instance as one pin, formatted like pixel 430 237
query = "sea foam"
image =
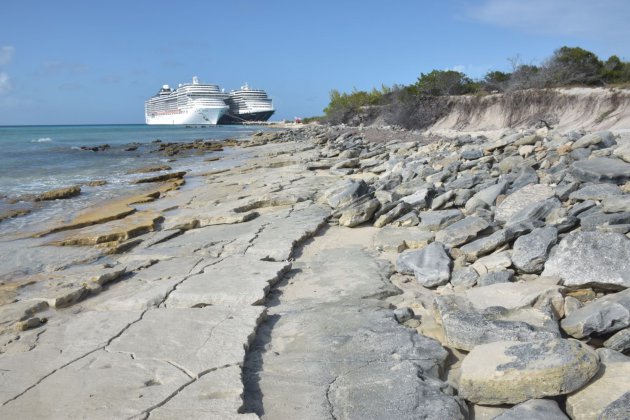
pixel 42 140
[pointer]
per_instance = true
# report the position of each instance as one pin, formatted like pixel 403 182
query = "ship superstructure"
pixel 191 103
pixel 247 104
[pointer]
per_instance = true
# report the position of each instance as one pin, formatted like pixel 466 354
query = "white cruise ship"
pixel 247 104
pixel 195 103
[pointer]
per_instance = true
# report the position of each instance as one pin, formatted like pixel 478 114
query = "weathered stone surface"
pixel 234 281
pixel 603 138
pixel 535 212
pixel 221 336
pixel 591 259
pixel 508 372
pixel 431 265
pixel 464 278
pixel 398 239
pixel 344 193
pixel 618 409
pixel 531 250
pixel 605 315
pixel 521 199
pixel 590 221
pixel 601 170
pixel 494 277
pixel 358 213
pixel 439 219
pixel 486 197
pixel 595 192
pixel 620 341
pixel 466 327
pixel 462 231
pixel 616 204
pixel 59 193
pixel 607 389
pixel 534 410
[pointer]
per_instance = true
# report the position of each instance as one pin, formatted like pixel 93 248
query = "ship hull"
pixel 229 118
pixel 195 116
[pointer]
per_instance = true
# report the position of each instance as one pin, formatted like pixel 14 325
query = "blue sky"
pixel 82 62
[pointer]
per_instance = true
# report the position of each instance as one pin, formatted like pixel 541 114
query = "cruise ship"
pixel 191 103
pixel 247 104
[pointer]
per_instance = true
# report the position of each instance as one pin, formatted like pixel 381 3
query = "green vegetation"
pixel 399 105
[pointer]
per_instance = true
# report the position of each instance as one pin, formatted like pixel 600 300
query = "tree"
pixel 445 82
pixel 574 65
pixel 496 80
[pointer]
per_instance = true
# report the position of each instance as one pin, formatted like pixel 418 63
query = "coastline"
pixel 267 286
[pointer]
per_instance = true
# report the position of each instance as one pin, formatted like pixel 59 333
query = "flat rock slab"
pixel 602 316
pixel 601 170
pixel 100 386
pixel 466 327
pixel 521 199
pixel 234 281
pixel 61 341
pixel 591 259
pixel 607 392
pixel 462 231
pixel 195 340
pixel 508 372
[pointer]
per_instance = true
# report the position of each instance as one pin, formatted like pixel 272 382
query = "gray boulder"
pixel 431 265
pixel 601 169
pixel 600 138
pixel 606 315
pixel 466 326
pixel 344 193
pixel 508 372
pixel 521 199
pixel 595 192
pixel 591 259
pixel 616 204
pixel 358 212
pixel 531 250
pixel 462 231
pixel 534 410
pixel 464 277
pixel 486 197
pixel 439 219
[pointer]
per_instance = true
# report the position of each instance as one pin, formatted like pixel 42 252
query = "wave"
pixel 42 140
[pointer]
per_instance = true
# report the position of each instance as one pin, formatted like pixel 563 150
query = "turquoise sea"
pixel 34 159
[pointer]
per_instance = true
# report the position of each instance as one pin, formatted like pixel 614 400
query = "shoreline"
pixel 245 284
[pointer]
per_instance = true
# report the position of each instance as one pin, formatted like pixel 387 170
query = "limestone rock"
pixel 162 178
pixel 344 193
pixel 534 410
pixel 608 389
pixel 508 372
pixel 431 265
pixel 605 315
pixel 601 169
pixel 439 219
pixel 58 194
pixel 486 197
pixel 466 327
pixel 398 211
pixel 462 231
pixel 620 341
pixel 359 212
pixel 521 199
pixel 531 250
pixel 591 259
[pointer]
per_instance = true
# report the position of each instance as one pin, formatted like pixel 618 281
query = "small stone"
pixel 403 315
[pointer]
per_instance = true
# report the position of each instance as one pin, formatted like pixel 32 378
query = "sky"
pixel 83 62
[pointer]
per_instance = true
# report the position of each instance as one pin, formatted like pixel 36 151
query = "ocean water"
pixel 34 159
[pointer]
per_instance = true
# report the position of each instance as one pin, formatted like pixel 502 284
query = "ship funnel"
pixel 195 80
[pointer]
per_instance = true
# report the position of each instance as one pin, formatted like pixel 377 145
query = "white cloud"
pixel 5 83
pixel 6 54
pixel 601 19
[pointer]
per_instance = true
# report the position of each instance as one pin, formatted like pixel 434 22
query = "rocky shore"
pixel 337 273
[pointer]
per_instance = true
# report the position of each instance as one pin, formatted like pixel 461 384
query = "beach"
pixel 331 272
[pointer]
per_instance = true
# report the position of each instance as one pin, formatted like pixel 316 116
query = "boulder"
pixel 358 212
pixel 596 259
pixel 344 193
pixel 431 265
pixel 601 169
pixel 623 152
pixel 620 341
pixel 486 197
pixel 531 250
pixel 509 372
pixel 620 203
pixel 601 138
pixel 602 316
pixel 439 219
pixel 520 199
pixel 419 199
pixel 534 410
pixel 607 392
pixel 398 211
pixel 595 192
pixel 466 326
pixel 462 231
